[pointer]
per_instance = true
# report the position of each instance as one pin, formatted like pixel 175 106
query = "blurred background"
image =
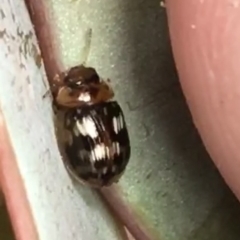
pixel 171 183
pixel 6 231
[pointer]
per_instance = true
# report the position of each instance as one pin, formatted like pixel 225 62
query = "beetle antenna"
pixel 87 47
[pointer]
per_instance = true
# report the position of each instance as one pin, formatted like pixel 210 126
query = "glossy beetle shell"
pixel 99 147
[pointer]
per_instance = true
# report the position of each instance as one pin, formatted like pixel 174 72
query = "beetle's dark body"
pixel 98 149
pixel 99 157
